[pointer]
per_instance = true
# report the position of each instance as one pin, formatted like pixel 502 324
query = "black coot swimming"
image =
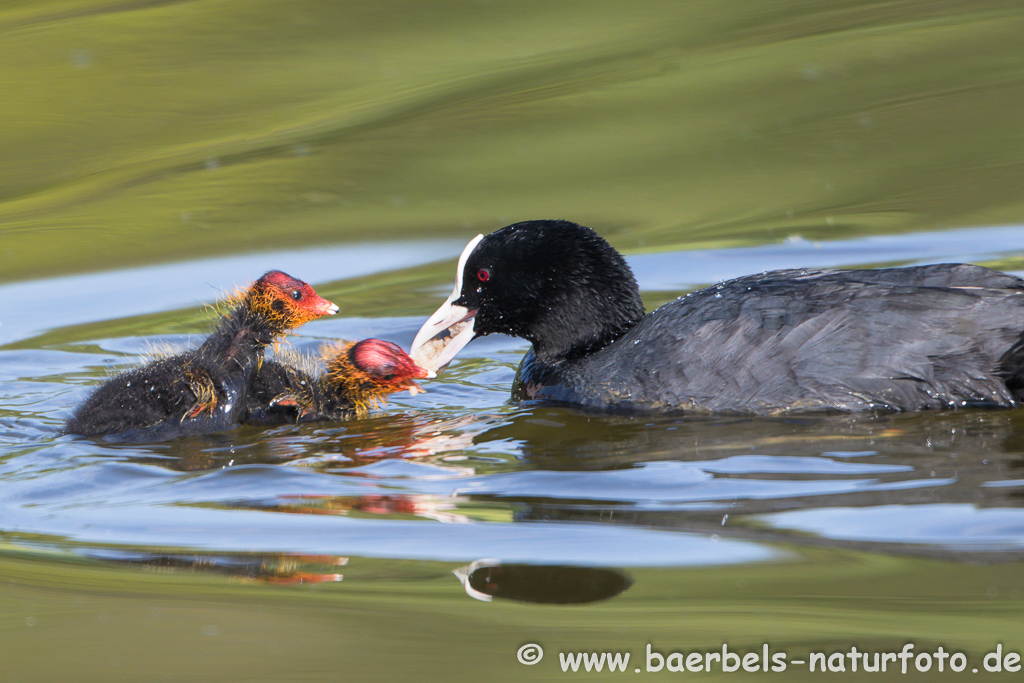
pixel 938 336
pixel 202 390
pixel 358 376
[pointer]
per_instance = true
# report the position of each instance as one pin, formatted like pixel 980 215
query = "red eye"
pixel 483 275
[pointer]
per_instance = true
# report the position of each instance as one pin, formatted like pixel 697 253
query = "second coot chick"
pixel 358 377
pixel 202 390
pixel 937 336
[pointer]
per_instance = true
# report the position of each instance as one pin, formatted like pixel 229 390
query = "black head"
pixel 555 283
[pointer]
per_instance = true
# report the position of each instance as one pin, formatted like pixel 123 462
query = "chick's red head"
pixel 286 301
pixel 387 363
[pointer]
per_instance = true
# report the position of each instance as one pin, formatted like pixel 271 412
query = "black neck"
pixel 586 317
pixel 240 337
pixel 583 340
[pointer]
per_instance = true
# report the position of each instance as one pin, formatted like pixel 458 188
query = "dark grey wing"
pixel 907 338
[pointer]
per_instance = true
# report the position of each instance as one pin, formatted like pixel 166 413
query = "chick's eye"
pixel 296 294
pixel 483 275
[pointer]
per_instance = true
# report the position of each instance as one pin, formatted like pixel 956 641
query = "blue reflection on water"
pixel 615 493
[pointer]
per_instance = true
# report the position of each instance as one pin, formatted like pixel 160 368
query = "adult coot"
pixel 939 336
pixel 358 377
pixel 204 389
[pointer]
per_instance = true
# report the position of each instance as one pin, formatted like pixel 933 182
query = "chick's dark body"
pixel 357 377
pixel 202 390
pixel 307 399
pixel 169 397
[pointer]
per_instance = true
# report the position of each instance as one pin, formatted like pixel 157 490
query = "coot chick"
pixel 938 336
pixel 358 377
pixel 202 390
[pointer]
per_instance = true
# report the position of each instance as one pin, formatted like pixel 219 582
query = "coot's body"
pixel 939 336
pixel 847 341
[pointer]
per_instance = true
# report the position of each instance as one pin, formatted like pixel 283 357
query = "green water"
pixel 106 624
pixel 137 132
pixel 141 133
